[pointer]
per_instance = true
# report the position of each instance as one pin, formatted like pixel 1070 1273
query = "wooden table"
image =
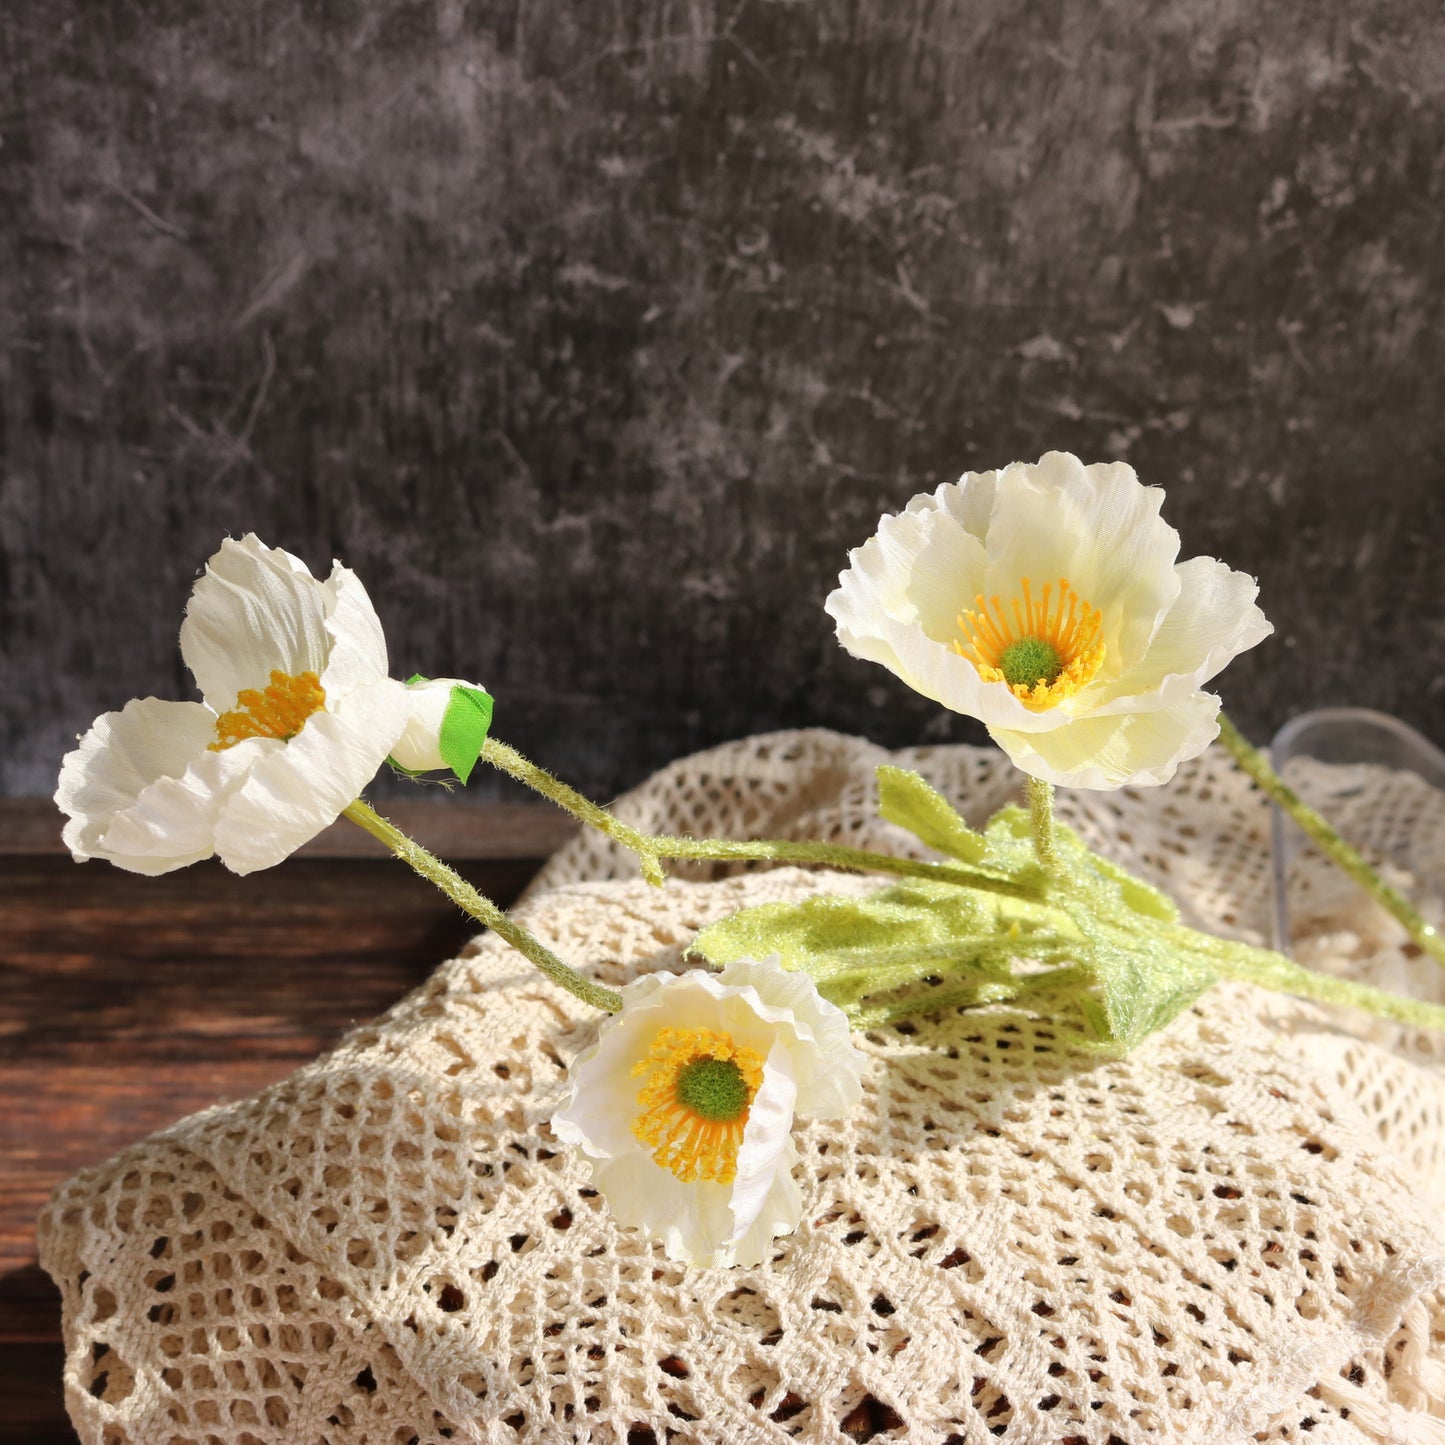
pixel 127 1002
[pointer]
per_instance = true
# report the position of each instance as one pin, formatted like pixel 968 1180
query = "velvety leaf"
pixel 906 799
pixel 887 934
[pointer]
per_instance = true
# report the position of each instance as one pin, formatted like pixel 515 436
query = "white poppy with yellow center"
pixel 1045 599
pixel 298 714
pixel 684 1106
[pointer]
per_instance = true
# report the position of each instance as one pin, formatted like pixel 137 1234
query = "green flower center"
pixel 1030 661
pixel 714 1089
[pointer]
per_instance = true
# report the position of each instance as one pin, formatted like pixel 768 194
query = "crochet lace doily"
pixel 1234 1234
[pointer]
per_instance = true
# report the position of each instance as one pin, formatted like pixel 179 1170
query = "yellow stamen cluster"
pixel 1045 652
pixel 683 1139
pixel 278 710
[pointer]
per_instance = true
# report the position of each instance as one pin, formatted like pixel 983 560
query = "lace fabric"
pixel 1234 1234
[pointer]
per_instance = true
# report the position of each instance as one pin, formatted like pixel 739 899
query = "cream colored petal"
pixel 780 1213
pixel 875 583
pixel 1214 619
pixel 357 652
pixel 294 793
pixel 1116 750
pixel 122 755
pixel 693 1221
pixel 601 1104
pixel 825 1063
pixel 969 501
pixel 176 817
pixel 1098 527
pixel 946 577
pixel 765 1141
pixel 255 609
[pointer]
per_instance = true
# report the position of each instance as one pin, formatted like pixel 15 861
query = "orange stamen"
pixel 685 1142
pixel 278 710
pixel 1066 624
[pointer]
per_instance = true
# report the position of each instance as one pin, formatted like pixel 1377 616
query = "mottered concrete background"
pixel 593 334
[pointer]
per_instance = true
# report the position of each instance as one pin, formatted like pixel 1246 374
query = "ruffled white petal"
pixel 174 821
pixel 828 1069
pixel 294 792
pixel 765 1144
pixel 357 646
pixel 1117 750
pixel 256 608
pixel 123 755
pixel 1214 619
pixel 1100 529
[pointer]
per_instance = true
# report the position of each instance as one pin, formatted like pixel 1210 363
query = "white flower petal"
pixel 1097 527
pixel 1117 750
pixel 255 609
pixel 946 576
pixel 780 1213
pixel 692 1221
pixel 765 1140
pixel 121 756
pixel 291 795
pixel 1214 619
pixel 174 821
pixel 356 653
pixel 829 1073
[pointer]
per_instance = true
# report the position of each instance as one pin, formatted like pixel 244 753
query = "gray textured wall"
pixel 593 334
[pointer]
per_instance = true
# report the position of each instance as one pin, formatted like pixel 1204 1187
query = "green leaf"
pixel 867 945
pixel 1142 984
pixel 464 729
pixel 906 799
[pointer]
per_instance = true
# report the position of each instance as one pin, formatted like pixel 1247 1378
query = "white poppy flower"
pixel 1045 600
pixel 684 1106
pixel 298 715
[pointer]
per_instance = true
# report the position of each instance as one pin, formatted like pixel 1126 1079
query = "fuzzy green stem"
pixel 1267 969
pixel 1254 763
pixel 833 855
pixel 510 761
pixel 1041 818
pixel 482 909
pixel 652 848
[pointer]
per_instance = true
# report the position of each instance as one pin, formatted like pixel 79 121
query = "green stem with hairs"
pixel 652 848
pixel 510 761
pixel 482 909
pixel 1257 766
pixel 1268 969
pixel 1041 818
pixel 833 855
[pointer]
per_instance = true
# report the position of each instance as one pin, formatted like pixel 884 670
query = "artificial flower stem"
pixel 1041 818
pixel 1257 766
pixel 1267 969
pixel 833 855
pixel 510 761
pixel 650 848
pixel 482 909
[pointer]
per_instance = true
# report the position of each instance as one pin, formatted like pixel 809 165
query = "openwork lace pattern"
pixel 1235 1234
